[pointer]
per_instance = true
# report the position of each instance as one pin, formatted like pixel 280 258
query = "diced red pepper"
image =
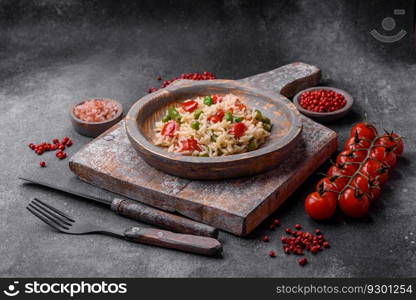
pixel 216 99
pixel 189 105
pixel 189 145
pixel 217 117
pixel 170 128
pixel 240 105
pixel 238 129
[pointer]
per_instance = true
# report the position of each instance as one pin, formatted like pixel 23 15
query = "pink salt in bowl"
pixel 100 123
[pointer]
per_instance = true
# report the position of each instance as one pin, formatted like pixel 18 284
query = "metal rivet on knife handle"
pixel 146 214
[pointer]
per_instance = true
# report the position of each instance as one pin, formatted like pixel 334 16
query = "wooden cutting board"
pixel 236 205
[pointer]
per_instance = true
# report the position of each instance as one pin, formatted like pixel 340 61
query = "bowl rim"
pixel 134 132
pixel 118 114
pixel 348 98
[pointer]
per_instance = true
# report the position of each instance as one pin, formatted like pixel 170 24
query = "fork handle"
pixel 183 242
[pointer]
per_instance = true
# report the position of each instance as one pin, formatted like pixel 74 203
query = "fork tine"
pixel 42 218
pixel 49 217
pixel 51 213
pixel 55 210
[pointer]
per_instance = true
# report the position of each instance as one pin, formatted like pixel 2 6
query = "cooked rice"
pixel 214 139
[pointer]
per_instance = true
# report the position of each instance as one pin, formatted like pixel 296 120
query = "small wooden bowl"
pixel 287 125
pixel 94 129
pixel 325 117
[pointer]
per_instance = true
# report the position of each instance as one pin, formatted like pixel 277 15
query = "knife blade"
pixel 140 212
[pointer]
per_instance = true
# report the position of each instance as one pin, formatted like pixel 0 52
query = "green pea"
pixel 228 116
pixel 237 119
pixel 195 125
pixel 165 118
pixel 208 100
pixel 174 114
pixel 267 127
pixel 252 145
pixel 197 113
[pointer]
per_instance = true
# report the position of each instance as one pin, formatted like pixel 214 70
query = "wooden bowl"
pixel 285 133
pixel 324 117
pixel 94 129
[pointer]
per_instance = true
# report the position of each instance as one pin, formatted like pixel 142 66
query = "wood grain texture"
pixel 183 242
pixel 150 215
pixel 111 163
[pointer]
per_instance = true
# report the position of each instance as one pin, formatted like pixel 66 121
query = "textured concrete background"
pixel 53 54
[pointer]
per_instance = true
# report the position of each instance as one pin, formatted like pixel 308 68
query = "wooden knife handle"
pixel 183 242
pixel 146 214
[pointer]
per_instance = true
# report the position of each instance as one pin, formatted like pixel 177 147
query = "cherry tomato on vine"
pixel 374 192
pixel 342 169
pixel 356 143
pixel 393 141
pixel 321 206
pixel 354 203
pixel 399 149
pixel 361 183
pixel 334 184
pixel 384 155
pixel 375 171
pixel 351 156
pixel 364 130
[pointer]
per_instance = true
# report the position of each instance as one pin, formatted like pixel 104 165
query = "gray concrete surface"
pixel 54 54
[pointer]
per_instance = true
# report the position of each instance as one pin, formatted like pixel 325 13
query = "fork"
pixel 60 221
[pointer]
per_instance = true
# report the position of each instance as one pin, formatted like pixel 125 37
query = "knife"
pixel 140 212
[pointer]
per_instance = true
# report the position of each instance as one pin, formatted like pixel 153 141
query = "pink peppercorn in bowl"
pixel 323 103
pixel 91 117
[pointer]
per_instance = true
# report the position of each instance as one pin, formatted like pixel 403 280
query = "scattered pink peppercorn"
pixel 314 249
pixel 43 147
pixel 302 261
pixel 298 226
pixel 189 76
pixel 265 238
pixel 272 253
